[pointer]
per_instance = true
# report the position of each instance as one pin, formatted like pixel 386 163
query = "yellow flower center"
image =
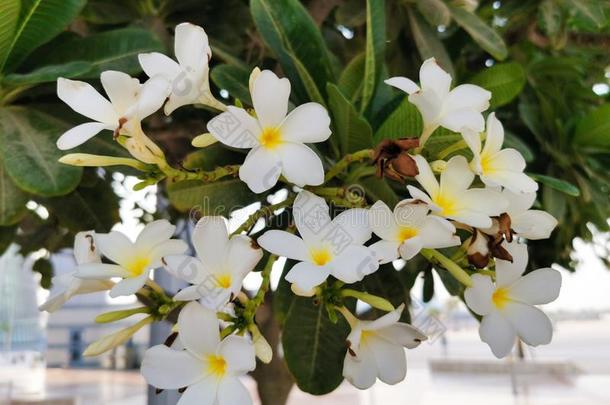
pixel 406 232
pixel 217 366
pixel 138 266
pixel 500 297
pixel 321 256
pixel 224 280
pixel 447 204
pixel 365 335
pixel 271 137
pixel 487 166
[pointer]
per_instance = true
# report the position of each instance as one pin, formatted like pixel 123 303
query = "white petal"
pixel 187 268
pixel 100 271
pixel 390 359
pixel 533 224
pixel 129 286
pixel 538 287
pixel 355 224
pixel 191 46
pixel 361 372
pixel 167 248
pixel 235 128
pixel 204 392
pixel 469 96
pixel 473 140
pixel 353 263
pixel 241 258
pixel 402 83
pixel 301 165
pixel 420 195
pixel 385 251
pixel 411 213
pixel 479 296
pixel 494 135
pixel 54 303
pixel 498 333
pixel 426 177
pixel 115 246
pixel 463 120
pixel 432 77
pixel 85 100
pixel 518 203
pixel 409 248
pixel 89 286
pixel 239 354
pixel 166 368
pixel 383 222
pixel 210 239
pixel 191 293
pixel 507 272
pixel 311 216
pixel 456 177
pixel 514 181
pixel 260 170
pixel 532 325
pixel 154 233
pixel 270 98
pixel 473 218
pixel 232 391
pixel 429 106
pixel 437 233
pixel 122 89
pixel 307 276
pixel 198 330
pixel 285 244
pixel 85 250
pixel 158 64
pixel 509 160
pixel 151 97
pixel 403 334
pixel 389 319
pixel 80 134
pixel 308 123
pixel 484 200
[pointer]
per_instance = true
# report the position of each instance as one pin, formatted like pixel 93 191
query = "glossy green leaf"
pixel 9 10
pixel 378 189
pixel 109 50
pixel 350 80
pixel 436 12
pixel 39 22
pixel 428 43
pixel 27 147
pixel 557 184
pixel 404 122
pixel 107 12
pixel 481 33
pixel 350 128
pixel 593 130
pixel 291 34
pixel 12 200
pixel 504 80
pixel 233 79
pixel 375 49
pixel 47 74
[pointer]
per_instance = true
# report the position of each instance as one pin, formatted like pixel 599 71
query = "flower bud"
pixel 262 348
pixel 203 140
pixel 113 316
pixel 478 251
pixel 116 339
pixel 88 160
pixel 392 159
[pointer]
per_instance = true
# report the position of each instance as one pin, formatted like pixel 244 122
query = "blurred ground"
pixel 585 344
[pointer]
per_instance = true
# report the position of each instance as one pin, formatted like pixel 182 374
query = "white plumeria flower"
pixel 84 252
pixel 527 223
pixel 376 349
pixel 452 109
pixel 129 103
pixel 277 141
pixel 452 198
pixel 221 264
pixel 325 247
pixel 189 78
pixel 208 367
pixel 407 230
pixel 508 307
pixel 494 165
pixel 134 260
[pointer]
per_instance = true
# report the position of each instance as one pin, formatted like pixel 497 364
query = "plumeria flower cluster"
pixel 480 206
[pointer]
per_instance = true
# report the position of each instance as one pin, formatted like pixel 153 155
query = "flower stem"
pixel 435 257
pixel 258 299
pixel 342 164
pixel 349 317
pixel 263 212
pixel 425 135
pixel 176 175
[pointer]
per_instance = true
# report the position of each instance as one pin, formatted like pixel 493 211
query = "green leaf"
pixel 350 81
pixel 218 198
pixel 289 31
pixel 107 12
pixel 480 32
pixel 378 189
pixel 27 147
pixel 375 49
pixel 428 44
pixel 352 130
pixel 557 184
pixel 593 130
pixel 428 287
pixel 591 11
pixel 404 122
pixel 436 12
pixel 9 10
pixel 504 80
pixel 109 50
pixel 39 22
pixel 513 141
pixel 12 200
pixel 233 79
pixel 47 74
